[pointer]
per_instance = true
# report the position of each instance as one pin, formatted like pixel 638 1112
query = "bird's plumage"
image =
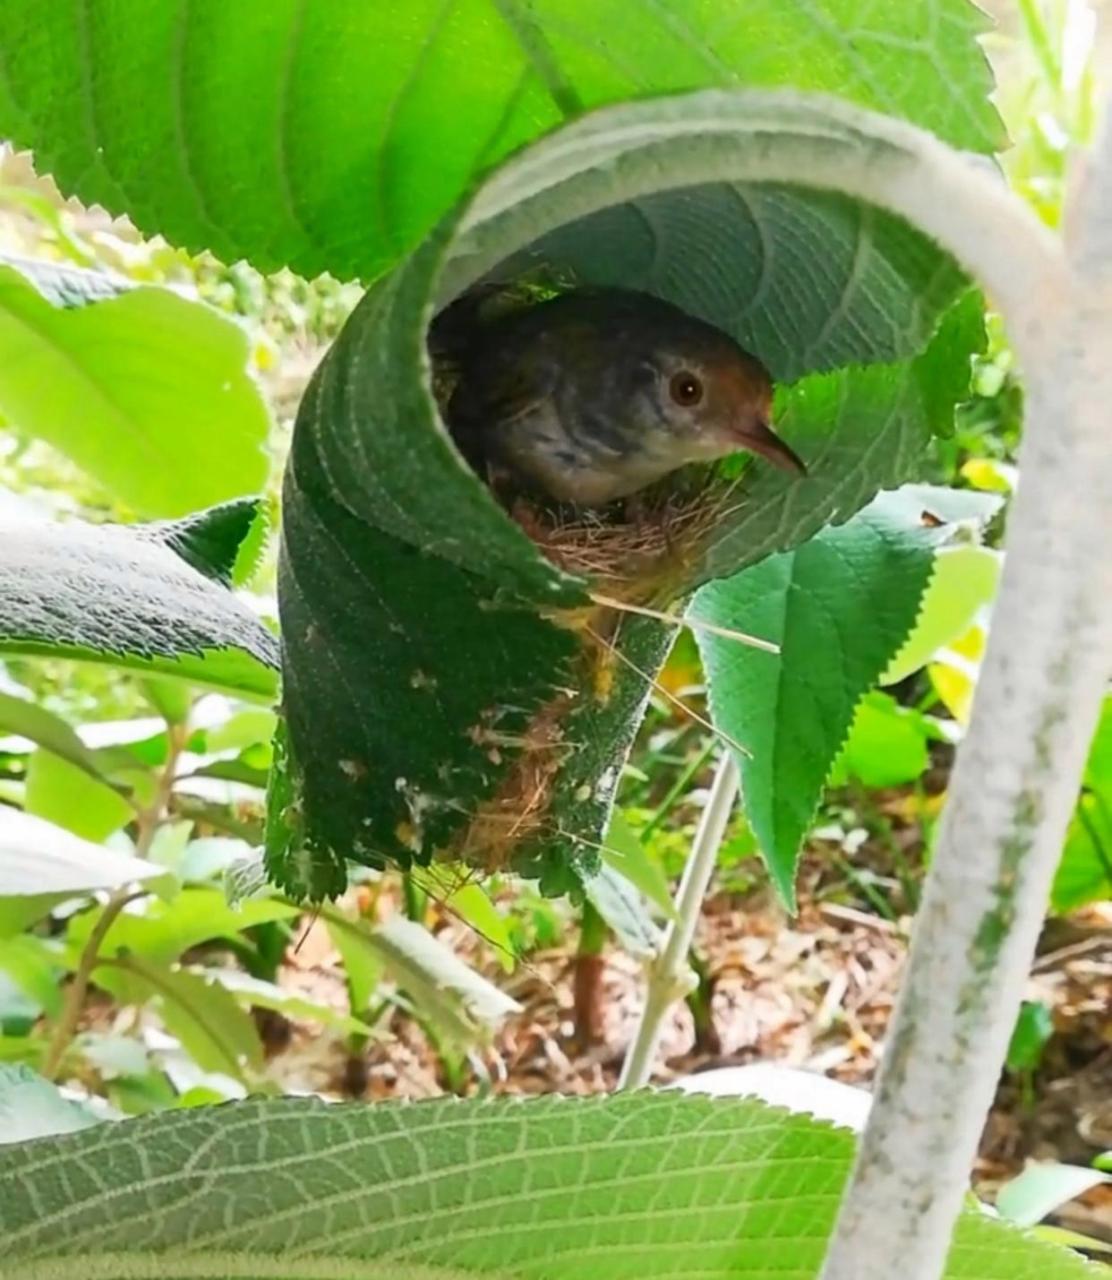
pixel 597 393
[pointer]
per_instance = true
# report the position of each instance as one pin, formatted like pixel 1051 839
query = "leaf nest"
pixel 640 550
pixel 518 810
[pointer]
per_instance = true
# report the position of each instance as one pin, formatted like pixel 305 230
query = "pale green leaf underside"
pixel 459 1001
pixel 63 285
pixel 111 594
pixel 31 1107
pixel 146 391
pixel 640 1185
pixel 37 857
pixel 349 177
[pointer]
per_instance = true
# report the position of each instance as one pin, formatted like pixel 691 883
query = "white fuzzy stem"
pixel 1016 778
pixel 667 973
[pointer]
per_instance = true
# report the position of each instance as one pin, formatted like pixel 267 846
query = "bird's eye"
pixel 685 389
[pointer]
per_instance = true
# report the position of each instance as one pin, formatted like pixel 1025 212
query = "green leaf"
pixel 963 582
pixel 70 798
pixel 147 392
pixel 363 964
pixel 111 594
pixel 16 913
pixel 31 1107
pixel 216 1033
pixel 1085 871
pixel 33 966
pixel 64 285
pixel 173 701
pixel 245 878
pixel 622 907
pixel 473 905
pixel 164 930
pixel 1033 1028
pixel 408 598
pixel 47 730
pixel 1043 1187
pixel 254 992
pixel 1098 767
pixel 37 858
pixel 460 1003
pixel 633 1185
pixel 243 729
pixel 210 541
pixel 886 746
pixel 351 191
pixel 624 853
pixel 839 607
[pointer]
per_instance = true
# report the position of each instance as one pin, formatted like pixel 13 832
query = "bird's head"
pixel 709 398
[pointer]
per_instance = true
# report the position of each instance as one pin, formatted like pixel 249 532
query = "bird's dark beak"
pixel 758 437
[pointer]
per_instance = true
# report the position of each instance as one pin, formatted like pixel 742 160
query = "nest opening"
pixel 637 550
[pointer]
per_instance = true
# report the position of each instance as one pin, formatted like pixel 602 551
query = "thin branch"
pixel 667 973
pixel 147 824
pixel 78 989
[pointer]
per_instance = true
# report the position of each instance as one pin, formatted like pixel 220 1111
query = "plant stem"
pixel 147 824
pixel 77 990
pixel 1016 778
pixel 668 974
pixel 588 973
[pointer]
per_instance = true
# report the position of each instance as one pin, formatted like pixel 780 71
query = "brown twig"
pixel 147 825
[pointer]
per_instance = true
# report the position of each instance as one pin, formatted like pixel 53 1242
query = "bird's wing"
pixel 502 389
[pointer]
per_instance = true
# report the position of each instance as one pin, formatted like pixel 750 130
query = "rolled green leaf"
pixel 450 689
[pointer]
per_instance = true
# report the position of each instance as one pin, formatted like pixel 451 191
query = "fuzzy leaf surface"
pixel 112 594
pixel 603 1188
pixel 317 135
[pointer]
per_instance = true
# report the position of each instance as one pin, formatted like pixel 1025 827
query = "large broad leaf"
pixel 437 698
pixel 592 1189
pixel 839 607
pixel 332 136
pixel 146 391
pixel 151 598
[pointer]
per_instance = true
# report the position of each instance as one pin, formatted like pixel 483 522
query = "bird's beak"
pixel 758 437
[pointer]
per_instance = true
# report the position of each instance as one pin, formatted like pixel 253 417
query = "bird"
pixel 594 394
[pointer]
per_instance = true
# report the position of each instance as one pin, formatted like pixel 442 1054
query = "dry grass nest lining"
pixel 642 550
